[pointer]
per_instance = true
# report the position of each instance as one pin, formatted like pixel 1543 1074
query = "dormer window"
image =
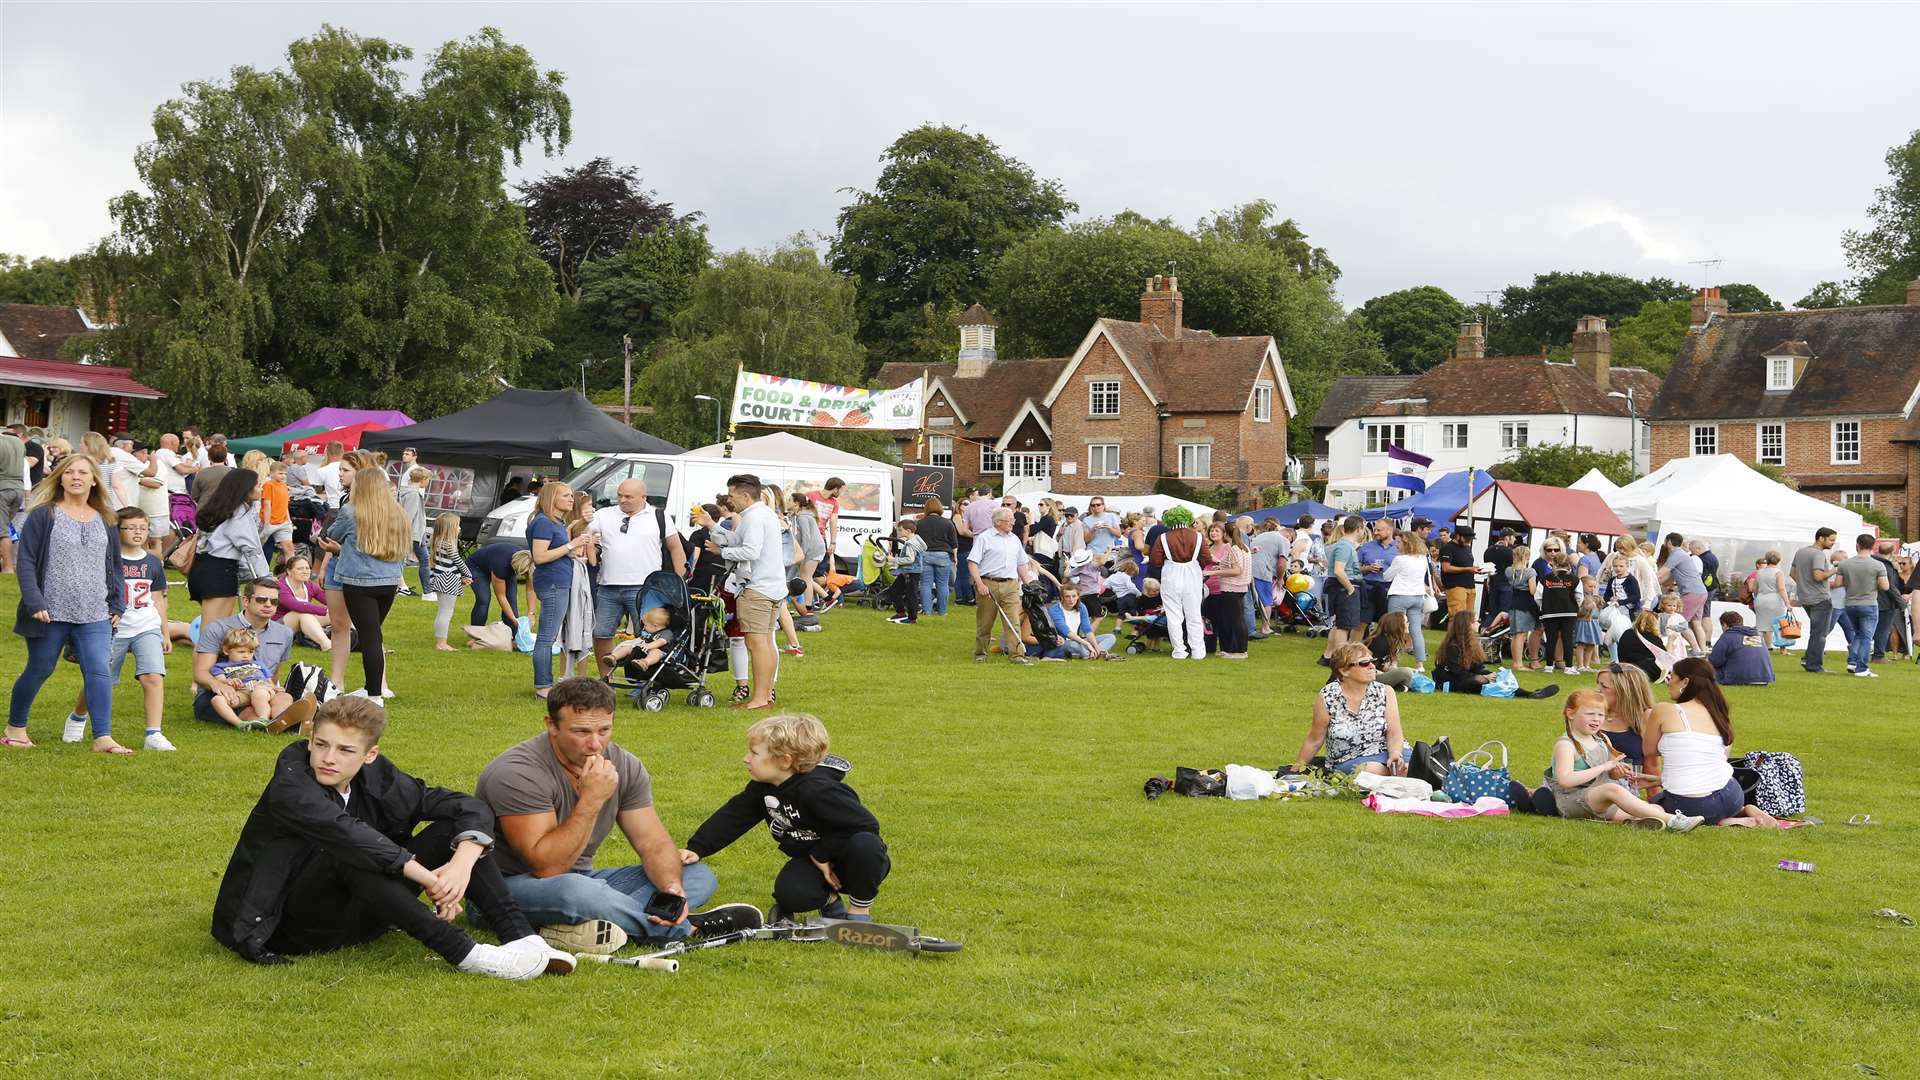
pixel 1779 372
pixel 1786 362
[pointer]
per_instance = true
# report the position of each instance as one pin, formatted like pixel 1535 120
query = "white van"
pixel 675 482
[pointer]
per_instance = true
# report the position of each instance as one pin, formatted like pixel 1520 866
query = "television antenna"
pixel 1707 266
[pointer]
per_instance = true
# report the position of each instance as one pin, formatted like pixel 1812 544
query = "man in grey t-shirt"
pixel 1811 569
pixel 1270 550
pixel 557 796
pixel 1863 577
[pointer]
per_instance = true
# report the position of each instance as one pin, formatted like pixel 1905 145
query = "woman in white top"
pixel 1409 584
pixel 1685 744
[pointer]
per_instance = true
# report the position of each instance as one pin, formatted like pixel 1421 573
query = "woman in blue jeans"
pixel 936 563
pixel 71 593
pixel 547 542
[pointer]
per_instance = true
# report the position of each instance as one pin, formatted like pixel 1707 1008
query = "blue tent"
pixel 1444 498
pixel 1291 512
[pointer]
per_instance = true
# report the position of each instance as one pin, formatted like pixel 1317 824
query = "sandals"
pixel 1862 819
pixel 10 740
pixel 116 750
pixel 1898 918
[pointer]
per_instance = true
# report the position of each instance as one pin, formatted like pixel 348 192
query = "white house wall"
pixel 1347 444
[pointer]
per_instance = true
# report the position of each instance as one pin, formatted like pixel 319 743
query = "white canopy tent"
pixel 1351 492
pixel 1120 504
pixel 1595 481
pixel 781 446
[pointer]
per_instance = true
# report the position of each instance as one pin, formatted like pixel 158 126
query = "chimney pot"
pixel 1472 340
pixel 1162 306
pixel 1593 350
pixel 1706 305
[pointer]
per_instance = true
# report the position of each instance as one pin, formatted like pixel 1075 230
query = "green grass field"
pixel 1105 935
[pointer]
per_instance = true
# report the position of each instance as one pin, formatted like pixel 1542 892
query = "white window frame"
pixel 940 450
pixel 1262 403
pixel 1380 436
pixel 1857 498
pixel 1099 389
pixel 1703 435
pixel 1779 373
pixel 1029 465
pixel 1094 453
pixel 1514 434
pixel 1760 438
pixel 1835 453
pixel 1448 433
pixel 991 460
pixel 1202 451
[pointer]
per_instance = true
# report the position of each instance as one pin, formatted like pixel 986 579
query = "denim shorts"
pixel 148 656
pixel 610 603
pixel 1720 805
pixel 1352 765
pixel 1352 610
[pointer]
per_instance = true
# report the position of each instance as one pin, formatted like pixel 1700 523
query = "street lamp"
pixel 1633 430
pixel 716 413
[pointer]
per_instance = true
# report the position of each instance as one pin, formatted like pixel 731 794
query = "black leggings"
pixel 367 606
pixel 331 905
pixel 1559 633
pixel 861 866
pixel 1228 613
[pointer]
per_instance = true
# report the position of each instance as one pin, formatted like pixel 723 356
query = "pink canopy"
pixel 334 418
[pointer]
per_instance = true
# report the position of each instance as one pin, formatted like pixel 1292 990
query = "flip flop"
pixel 20 743
pixel 116 750
pixel 1862 819
pixel 1889 913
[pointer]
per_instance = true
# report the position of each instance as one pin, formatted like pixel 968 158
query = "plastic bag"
pixel 1247 782
pixel 523 637
pixel 1504 684
pixel 1421 684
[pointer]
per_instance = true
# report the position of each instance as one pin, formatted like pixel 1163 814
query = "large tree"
pixel 1650 338
pixel 1885 256
pixel 780 312
pixel 946 204
pixel 1417 326
pixel 589 212
pixel 41 281
pixel 1543 313
pixel 1741 296
pixel 324 232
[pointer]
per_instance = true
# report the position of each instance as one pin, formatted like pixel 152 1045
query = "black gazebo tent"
pixel 538 428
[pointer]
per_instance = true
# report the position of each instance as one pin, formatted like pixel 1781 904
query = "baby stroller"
pixel 1033 607
pixel 1294 609
pixel 698 649
pixel 1493 636
pixel 876 573
pixel 1148 628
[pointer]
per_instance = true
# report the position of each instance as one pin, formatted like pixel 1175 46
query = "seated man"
pixel 557 796
pixel 273 641
pixel 1740 656
pixel 328 859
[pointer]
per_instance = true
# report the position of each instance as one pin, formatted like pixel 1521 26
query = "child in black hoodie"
pixel 833 841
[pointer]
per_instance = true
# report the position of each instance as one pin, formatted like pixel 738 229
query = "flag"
pixel 1407 470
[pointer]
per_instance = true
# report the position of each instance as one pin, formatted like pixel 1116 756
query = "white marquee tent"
pixel 1595 481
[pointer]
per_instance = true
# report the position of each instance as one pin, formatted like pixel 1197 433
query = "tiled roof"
pixel 975 316
pixel 1865 360
pixel 1490 385
pixel 990 401
pixel 1197 373
pixel 1356 395
pixel 67 375
pixel 40 331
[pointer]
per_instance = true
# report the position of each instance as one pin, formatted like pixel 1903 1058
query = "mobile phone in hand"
pixel 666 906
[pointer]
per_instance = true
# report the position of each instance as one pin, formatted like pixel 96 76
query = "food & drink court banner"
pixel 782 402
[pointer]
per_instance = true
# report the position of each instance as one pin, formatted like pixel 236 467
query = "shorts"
pixel 1693 605
pixel 1263 592
pixel 1719 806
pixel 1352 610
pixel 213 577
pixel 11 504
pixel 755 612
pixel 149 656
pixel 274 535
pixel 1352 765
pixel 1459 599
pixel 1572 803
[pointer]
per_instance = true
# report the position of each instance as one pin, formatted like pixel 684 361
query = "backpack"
pixel 1772 781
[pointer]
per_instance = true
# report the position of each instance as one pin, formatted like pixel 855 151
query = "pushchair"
pixel 698 649
pixel 1295 609
pixel 876 572
pixel 1149 628
pixel 1039 636
pixel 1494 635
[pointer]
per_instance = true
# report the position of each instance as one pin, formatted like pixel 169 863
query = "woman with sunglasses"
pixel 1357 718
pixel 1686 747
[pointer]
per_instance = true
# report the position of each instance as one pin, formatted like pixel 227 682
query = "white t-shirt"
pixel 143 578
pixel 169 460
pixel 626 558
pixel 326 480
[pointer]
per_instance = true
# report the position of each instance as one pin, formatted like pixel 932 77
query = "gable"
pixel 1029 423
pixel 1101 332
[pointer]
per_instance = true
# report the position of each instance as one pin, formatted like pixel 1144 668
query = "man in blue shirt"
pixel 1374 555
pixel 1345 593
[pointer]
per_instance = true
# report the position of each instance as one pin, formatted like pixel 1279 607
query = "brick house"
pixel 1350 396
pixel 1137 401
pixel 1827 395
pixel 1475 410
pixel 67 398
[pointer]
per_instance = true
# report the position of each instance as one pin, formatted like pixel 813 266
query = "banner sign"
pixel 920 482
pixel 783 402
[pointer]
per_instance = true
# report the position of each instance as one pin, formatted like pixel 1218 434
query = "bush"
pixel 1879 518
pixel 1773 472
pixel 1557 465
pixel 1224 497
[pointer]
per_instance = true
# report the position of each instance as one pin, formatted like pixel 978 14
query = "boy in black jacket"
pixel 328 859
pixel 833 841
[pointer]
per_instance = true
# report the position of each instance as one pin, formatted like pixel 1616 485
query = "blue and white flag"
pixel 1407 470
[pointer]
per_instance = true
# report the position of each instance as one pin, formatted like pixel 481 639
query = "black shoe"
pixel 1324 662
pixel 725 919
pixel 836 909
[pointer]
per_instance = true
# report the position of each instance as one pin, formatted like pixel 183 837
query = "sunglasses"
pixel 264 599
pixel 626 521
pixel 1361 663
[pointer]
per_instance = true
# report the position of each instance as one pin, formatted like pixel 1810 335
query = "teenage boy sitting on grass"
pixel 329 858
pixel 833 842
pixel 650 644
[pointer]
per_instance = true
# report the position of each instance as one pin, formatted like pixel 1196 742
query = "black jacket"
pixel 808 815
pixel 297 817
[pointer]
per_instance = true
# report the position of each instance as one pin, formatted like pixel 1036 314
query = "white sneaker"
pixel 1863 673
pixel 1573 671
pixel 387 692
pixel 1683 823
pixel 363 692
pixel 431 598
pixel 504 963
pixel 75 729
pixel 158 741
pixel 558 963
pixel 598 936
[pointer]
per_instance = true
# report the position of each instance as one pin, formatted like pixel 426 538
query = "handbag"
pixel 1772 781
pixel 1790 628
pixel 1475 776
pixel 181 557
pixel 1045 546
pixel 1432 761
pixel 1429 603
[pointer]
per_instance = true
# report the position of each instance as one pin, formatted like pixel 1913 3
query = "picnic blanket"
pixel 1484 806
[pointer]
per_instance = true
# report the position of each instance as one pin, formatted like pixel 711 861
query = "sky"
pixel 1465 146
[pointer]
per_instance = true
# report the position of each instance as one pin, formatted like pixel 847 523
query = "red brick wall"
pixel 1133 429
pixel 966 456
pixel 1809 451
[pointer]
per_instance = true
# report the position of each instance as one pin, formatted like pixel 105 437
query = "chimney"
pixel 1162 305
pixel 1707 305
pixel 1913 291
pixel 1593 350
pixel 1472 340
pixel 976 343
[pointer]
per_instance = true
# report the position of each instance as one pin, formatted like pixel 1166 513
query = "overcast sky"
pixel 1465 146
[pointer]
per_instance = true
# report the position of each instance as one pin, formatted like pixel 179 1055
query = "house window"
pixel 990 460
pixel 1706 439
pixel 1779 372
pixel 1453 436
pixel 940 450
pixel 1027 466
pixel 1846 442
pixel 1263 403
pixel 1857 500
pixel 1513 434
pixel 1771 444
pixel 939 421
pixel 1103 397
pixel 1381 436
pixel 1196 461
pixel 1103 461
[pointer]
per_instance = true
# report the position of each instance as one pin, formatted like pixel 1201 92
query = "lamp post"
pixel 1633 431
pixel 716 413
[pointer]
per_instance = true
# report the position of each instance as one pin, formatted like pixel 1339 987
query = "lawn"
pixel 1105 934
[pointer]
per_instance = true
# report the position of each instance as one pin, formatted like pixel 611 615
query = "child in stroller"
pixel 1147 626
pixel 679 644
pixel 650 645
pixel 1295 607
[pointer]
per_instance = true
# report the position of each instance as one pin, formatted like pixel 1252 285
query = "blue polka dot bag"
pixel 1475 776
